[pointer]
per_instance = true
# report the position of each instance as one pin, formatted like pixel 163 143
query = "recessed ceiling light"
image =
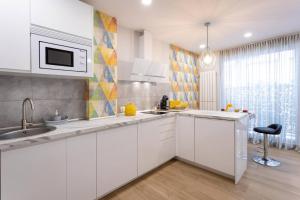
pixel 202 46
pixel 248 35
pixel 147 2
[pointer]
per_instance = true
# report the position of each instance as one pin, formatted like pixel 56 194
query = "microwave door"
pixel 57 57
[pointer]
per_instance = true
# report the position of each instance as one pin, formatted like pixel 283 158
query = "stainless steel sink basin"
pixel 19 133
pixel 153 112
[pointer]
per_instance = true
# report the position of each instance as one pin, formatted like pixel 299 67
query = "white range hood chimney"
pixel 143 68
pixel 144 58
pixel 145 45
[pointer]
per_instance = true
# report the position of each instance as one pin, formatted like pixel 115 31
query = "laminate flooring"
pixel 179 181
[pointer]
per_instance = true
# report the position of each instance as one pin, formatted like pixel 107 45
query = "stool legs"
pixel 265 160
pixel 266 146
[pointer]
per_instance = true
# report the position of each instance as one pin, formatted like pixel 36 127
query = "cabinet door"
pixel 185 133
pixel 15 35
pixel 81 167
pixel 34 173
pixel 167 150
pixel 69 16
pixel 116 158
pixel 148 146
pixel 214 144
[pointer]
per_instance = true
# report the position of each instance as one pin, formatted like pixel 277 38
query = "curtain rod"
pixel 296 34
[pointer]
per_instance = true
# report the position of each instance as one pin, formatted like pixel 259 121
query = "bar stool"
pixel 273 129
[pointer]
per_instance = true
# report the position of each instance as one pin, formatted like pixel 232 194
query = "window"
pixel 264 80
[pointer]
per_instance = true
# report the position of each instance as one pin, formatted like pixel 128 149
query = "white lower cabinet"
pixel 116 158
pixel 81 167
pixel 35 172
pixel 214 144
pixel 185 137
pixel 148 146
pixel 167 150
pixel 167 139
pixel 241 141
pixel 156 143
pixel 61 170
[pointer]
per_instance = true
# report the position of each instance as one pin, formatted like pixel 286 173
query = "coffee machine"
pixel 164 103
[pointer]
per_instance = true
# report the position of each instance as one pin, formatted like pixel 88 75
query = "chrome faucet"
pixel 24 121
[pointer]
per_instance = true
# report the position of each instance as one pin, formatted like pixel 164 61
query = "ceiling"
pixel 181 22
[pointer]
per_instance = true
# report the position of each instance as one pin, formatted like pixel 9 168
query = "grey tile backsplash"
pixel 144 95
pixel 48 94
pixel 65 95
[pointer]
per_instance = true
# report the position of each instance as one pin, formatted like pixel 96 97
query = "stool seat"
pixel 273 129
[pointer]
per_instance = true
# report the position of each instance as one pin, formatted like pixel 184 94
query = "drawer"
pixel 167 127
pixel 170 120
pixel 167 134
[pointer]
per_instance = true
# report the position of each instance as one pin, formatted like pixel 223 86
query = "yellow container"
pixel 130 109
pixel 185 105
pixel 174 104
pixel 228 106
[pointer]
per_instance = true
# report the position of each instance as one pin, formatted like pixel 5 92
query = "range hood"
pixel 143 68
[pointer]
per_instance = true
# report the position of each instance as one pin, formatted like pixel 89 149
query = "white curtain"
pixel 263 78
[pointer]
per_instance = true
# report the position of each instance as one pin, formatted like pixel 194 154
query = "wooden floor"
pixel 177 180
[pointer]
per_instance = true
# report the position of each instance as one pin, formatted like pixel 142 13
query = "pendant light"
pixel 208 58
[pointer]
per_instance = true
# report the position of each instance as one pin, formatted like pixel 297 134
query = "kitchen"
pixel 96 102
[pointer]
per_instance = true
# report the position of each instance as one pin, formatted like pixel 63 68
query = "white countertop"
pixel 87 126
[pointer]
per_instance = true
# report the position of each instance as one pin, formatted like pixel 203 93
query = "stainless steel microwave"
pixel 60 54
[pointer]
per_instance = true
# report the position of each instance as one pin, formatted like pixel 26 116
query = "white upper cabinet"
pixel 15 35
pixel 68 16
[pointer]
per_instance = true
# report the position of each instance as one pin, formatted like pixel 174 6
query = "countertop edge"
pixel 65 133
pixel 211 117
pixel 41 139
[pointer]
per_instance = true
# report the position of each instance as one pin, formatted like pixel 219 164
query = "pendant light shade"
pixel 208 58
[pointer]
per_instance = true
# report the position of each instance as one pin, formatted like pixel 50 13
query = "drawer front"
pixel 164 135
pixel 167 128
pixel 163 122
pixel 167 125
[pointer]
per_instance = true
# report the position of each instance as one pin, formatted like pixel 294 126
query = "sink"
pixel 153 112
pixel 19 133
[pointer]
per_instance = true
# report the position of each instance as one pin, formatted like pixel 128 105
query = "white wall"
pixel 161 52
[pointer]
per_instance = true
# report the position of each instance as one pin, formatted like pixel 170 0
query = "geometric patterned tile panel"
pixel 184 76
pixel 102 87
